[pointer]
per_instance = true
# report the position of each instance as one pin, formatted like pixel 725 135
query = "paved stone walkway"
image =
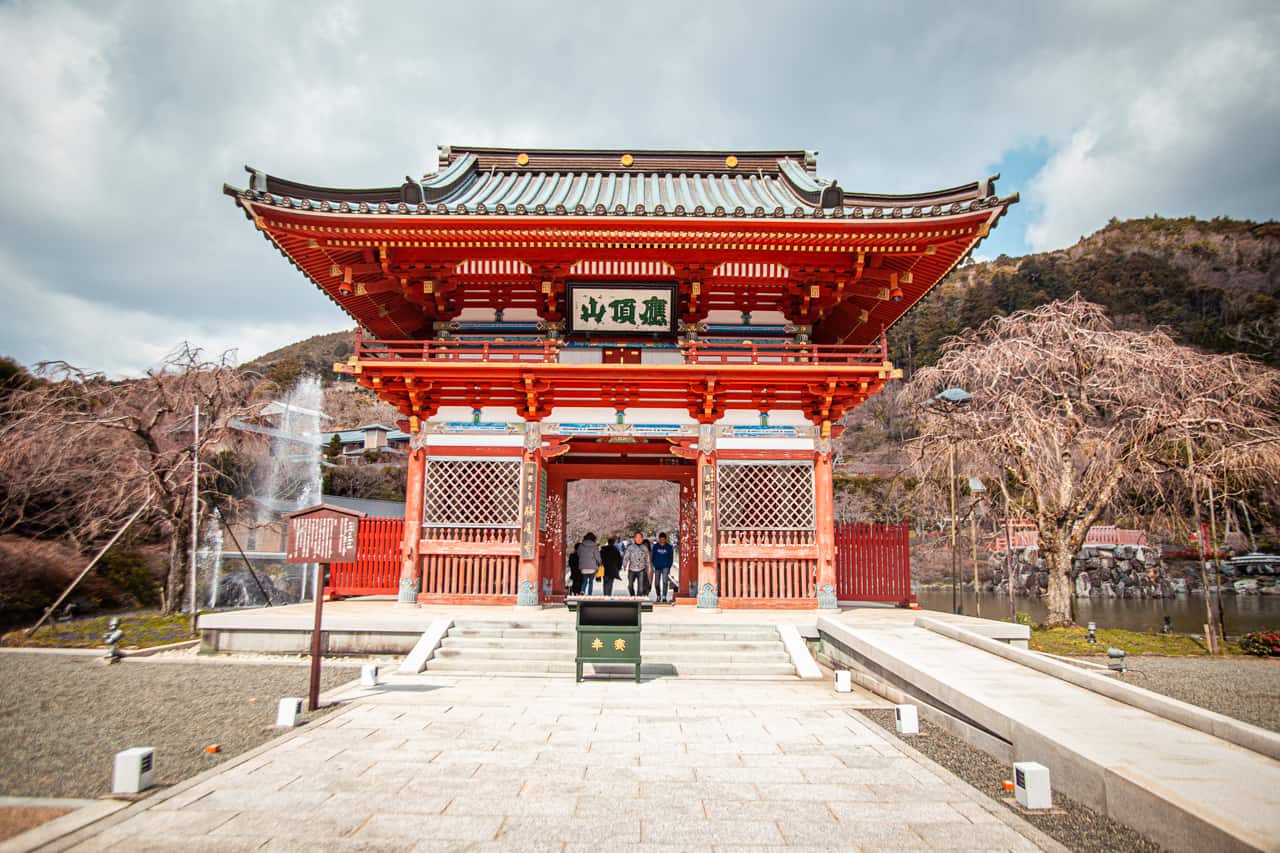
pixel 438 763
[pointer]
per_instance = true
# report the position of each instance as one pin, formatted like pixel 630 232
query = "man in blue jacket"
pixel 663 557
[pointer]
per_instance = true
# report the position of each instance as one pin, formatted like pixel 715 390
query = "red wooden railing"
pixel 470 575
pixel 758 352
pixel 696 352
pixel 487 351
pixel 873 562
pixel 744 578
pixel 376 570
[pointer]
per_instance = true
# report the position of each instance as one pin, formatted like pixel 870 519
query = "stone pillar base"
pixel 408 593
pixel 827 598
pixel 526 597
pixel 707 598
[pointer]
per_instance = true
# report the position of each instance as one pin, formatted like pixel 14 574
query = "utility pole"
pixel 955 567
pixel 1211 633
pixel 1217 563
pixel 195 508
pixel 1008 543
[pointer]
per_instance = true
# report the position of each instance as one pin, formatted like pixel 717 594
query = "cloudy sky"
pixel 119 123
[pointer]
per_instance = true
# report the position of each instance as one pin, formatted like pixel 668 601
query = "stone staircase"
pixel 700 651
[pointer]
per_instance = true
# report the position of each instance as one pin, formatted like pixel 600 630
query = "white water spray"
pixel 292 479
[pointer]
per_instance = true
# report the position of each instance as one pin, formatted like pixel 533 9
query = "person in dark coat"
pixel 612 560
pixel 575 576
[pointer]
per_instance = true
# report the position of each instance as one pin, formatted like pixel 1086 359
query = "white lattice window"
pixel 766 496
pixel 472 492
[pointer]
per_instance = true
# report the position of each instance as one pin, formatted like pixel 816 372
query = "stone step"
pixel 650 643
pixel 716 635
pixel 500 666
pixel 520 647
pixel 649 654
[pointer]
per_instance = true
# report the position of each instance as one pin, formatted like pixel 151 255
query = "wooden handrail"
pixel 694 352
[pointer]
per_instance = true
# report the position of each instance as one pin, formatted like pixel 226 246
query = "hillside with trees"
pixel 1215 284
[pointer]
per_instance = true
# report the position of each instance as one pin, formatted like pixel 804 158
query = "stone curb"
pixel 60 827
pixel 1233 731
pixel 168 647
pixel 806 667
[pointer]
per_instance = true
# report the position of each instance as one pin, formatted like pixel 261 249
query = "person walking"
pixel 637 564
pixel 611 557
pixel 588 562
pixel 575 575
pixel 663 555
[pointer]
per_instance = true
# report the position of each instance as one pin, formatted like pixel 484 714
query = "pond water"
pixel 1242 613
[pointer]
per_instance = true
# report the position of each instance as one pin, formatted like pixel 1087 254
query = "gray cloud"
pixel 123 120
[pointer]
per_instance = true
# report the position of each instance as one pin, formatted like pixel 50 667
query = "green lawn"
pixel 1074 641
pixel 141 630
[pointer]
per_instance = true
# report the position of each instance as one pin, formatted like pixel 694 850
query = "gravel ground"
pixel 15 820
pixel 63 718
pixel 1246 688
pixel 1075 826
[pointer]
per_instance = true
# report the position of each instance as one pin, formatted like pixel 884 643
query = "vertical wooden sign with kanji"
pixel 529 510
pixel 707 518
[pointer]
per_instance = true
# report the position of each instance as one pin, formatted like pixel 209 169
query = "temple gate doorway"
pixel 639 462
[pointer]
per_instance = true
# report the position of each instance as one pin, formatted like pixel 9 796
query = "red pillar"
pixel 410 563
pixel 824 499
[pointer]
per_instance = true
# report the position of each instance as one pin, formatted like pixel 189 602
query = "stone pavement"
pixel 432 762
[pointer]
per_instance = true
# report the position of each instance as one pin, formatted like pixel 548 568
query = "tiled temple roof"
pixel 543 182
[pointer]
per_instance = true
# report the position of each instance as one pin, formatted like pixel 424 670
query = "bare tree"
pixel 1075 410
pixel 79 453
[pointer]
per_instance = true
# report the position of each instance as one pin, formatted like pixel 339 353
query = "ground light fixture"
pixel 288 712
pixel 906 719
pixel 1031 785
pixel 134 770
pixel 1093 633
pixel 1116 662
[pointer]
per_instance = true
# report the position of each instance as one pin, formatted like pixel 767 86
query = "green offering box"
pixel 608 630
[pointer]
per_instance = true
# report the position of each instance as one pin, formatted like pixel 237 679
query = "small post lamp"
pixel 1116 663
pixel 1093 633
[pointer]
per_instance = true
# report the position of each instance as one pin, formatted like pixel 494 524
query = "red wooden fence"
pixel 376 570
pixel 873 562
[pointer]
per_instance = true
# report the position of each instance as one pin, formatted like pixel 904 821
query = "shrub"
pixel 126 570
pixel 1263 643
pixel 34 572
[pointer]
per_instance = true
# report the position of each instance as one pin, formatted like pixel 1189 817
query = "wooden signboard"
pixel 322 534
pixel 629 309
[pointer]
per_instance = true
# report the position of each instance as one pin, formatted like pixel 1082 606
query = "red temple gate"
pixel 715 312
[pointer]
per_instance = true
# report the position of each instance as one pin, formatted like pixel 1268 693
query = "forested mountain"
pixel 1214 283
pixel 315 355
